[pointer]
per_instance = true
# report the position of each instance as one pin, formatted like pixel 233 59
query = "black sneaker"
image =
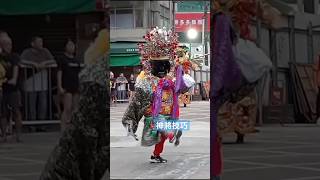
pixel 240 139
pixel 177 142
pixel 157 159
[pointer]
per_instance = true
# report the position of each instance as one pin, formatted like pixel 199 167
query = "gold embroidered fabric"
pixel 167 104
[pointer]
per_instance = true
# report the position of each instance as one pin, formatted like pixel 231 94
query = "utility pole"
pixel 173 16
pixel 205 16
pixel 258 26
pixel 202 32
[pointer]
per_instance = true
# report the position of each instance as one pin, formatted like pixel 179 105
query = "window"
pixel 166 11
pixel 153 18
pixel 164 22
pixel 309 6
pixel 126 18
pixel 162 10
pixel 161 22
pixel 139 18
pixel 112 19
pixel 164 16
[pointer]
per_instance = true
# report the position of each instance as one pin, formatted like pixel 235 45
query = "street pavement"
pixel 276 153
pixel 25 161
pixel 190 160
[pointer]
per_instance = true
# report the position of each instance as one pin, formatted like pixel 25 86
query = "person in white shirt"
pixel 122 82
pixel 37 85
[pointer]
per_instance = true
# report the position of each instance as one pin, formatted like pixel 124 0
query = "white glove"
pixel 188 80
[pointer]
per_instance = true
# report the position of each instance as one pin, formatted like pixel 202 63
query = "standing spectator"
pixel 113 88
pixel 2 81
pixel 317 83
pixel 56 96
pixel 131 83
pixel 68 82
pixel 11 101
pixel 57 100
pixel 121 81
pixel 37 85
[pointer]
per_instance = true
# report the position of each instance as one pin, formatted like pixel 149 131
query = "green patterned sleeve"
pixel 135 111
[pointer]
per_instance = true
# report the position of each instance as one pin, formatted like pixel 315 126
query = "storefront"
pixel 124 58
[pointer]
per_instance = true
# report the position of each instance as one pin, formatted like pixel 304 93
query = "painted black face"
pixel 160 68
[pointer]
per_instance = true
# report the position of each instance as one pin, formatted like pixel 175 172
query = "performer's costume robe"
pixel 142 105
pixel 226 82
pixel 248 64
pixel 239 117
pixel 229 83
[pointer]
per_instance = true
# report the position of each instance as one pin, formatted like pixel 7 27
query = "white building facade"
pixel 129 20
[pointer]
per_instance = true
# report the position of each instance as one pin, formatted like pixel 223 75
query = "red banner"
pixel 185 21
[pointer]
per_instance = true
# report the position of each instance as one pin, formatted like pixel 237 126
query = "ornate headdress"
pixel 160 45
pixel 183 59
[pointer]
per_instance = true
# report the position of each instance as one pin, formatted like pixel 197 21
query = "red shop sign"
pixel 185 21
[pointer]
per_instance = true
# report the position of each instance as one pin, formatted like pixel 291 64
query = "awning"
pixel 124 60
pixel 36 7
pixel 124 54
pixel 124 47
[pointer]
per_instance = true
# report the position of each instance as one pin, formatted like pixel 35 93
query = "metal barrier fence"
pixel 287 45
pixel 36 86
pixel 201 77
pixel 122 95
